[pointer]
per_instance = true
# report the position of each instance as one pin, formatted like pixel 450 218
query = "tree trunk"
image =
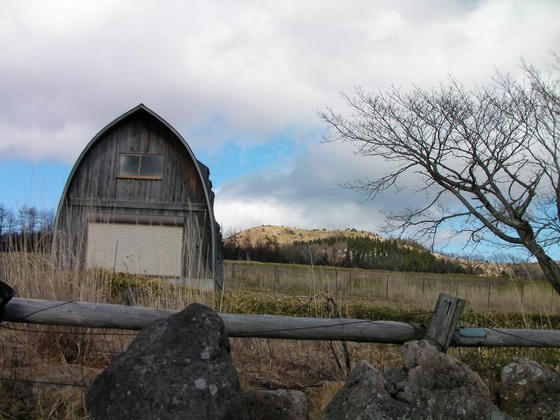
pixel 551 270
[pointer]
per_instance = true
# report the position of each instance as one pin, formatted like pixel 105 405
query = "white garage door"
pixel 135 248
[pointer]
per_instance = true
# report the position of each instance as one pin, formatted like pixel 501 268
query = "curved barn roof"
pixel 139 109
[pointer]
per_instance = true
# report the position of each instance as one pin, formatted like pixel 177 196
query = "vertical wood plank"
pixel 444 322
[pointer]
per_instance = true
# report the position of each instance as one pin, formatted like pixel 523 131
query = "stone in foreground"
pixel 529 391
pixel 364 397
pixel 278 404
pixel 176 368
pixel 430 385
pixel 441 387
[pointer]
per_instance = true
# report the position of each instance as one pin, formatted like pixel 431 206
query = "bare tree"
pixel 28 219
pixel 4 215
pixel 486 158
pixel 46 221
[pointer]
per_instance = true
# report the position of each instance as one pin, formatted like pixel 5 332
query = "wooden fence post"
pixel 335 280
pixel 488 304
pixel 387 286
pixel 444 322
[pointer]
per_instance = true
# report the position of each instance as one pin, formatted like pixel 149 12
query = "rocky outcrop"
pixel 529 391
pixel 279 404
pixel 430 385
pixel 177 368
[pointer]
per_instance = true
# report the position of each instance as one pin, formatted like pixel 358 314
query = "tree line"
pixel 390 254
pixel 25 229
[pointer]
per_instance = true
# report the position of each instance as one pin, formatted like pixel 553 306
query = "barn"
pixel 138 201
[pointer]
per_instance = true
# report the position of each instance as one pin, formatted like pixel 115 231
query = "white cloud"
pixel 224 71
pixel 254 67
pixel 307 194
pixel 236 214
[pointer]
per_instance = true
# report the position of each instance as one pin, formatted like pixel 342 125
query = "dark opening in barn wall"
pixel 138 201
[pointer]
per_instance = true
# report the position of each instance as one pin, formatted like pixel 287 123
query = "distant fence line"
pixel 483 293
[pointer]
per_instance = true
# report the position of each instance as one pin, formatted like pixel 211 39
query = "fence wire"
pixel 32 381
pixel 84 383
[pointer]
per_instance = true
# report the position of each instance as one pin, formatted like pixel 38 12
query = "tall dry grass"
pixel 44 370
pixel 35 358
pixel 74 356
pixel 419 290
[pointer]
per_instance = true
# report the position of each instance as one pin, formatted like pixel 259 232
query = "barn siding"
pixel 95 189
pixel 97 176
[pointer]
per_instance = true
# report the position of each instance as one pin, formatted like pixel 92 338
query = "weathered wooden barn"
pixel 138 201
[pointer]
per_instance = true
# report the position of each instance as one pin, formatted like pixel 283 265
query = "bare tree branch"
pixel 494 151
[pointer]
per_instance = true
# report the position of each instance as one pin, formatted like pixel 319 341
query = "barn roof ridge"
pixel 203 177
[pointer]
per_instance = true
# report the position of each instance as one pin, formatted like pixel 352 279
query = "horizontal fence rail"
pixel 98 315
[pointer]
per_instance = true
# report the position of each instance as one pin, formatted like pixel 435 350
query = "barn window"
pixel 140 166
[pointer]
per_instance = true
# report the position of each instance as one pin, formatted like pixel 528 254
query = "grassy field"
pixel 45 370
pixel 418 290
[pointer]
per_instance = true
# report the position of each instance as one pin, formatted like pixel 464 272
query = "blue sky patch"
pixel 37 184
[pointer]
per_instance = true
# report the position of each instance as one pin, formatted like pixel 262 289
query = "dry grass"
pixel 76 356
pixel 31 353
pixel 315 367
pixel 419 290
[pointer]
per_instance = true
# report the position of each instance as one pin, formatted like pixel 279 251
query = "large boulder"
pixel 176 368
pixel 364 397
pixel 278 404
pixel 430 385
pixel 441 387
pixel 529 391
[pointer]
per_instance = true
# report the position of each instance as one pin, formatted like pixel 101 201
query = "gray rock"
pixel 441 387
pixel 364 397
pixel 279 404
pixel 527 390
pixel 176 368
pixel 395 381
pixel 432 385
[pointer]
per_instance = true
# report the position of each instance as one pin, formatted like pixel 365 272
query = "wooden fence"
pixel 442 329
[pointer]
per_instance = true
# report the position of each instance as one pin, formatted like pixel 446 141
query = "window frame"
pixel 139 169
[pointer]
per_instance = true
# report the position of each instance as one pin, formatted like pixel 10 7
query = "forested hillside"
pixel 356 250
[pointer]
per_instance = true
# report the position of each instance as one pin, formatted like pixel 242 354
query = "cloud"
pixel 307 194
pixel 239 73
pixel 221 71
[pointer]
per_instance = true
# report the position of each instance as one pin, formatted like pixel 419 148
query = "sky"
pixel 243 82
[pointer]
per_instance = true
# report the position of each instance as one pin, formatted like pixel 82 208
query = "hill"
pixel 358 248
pixel 344 248
pixel 283 235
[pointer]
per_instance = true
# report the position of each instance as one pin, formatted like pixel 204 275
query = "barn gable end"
pixel 138 201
